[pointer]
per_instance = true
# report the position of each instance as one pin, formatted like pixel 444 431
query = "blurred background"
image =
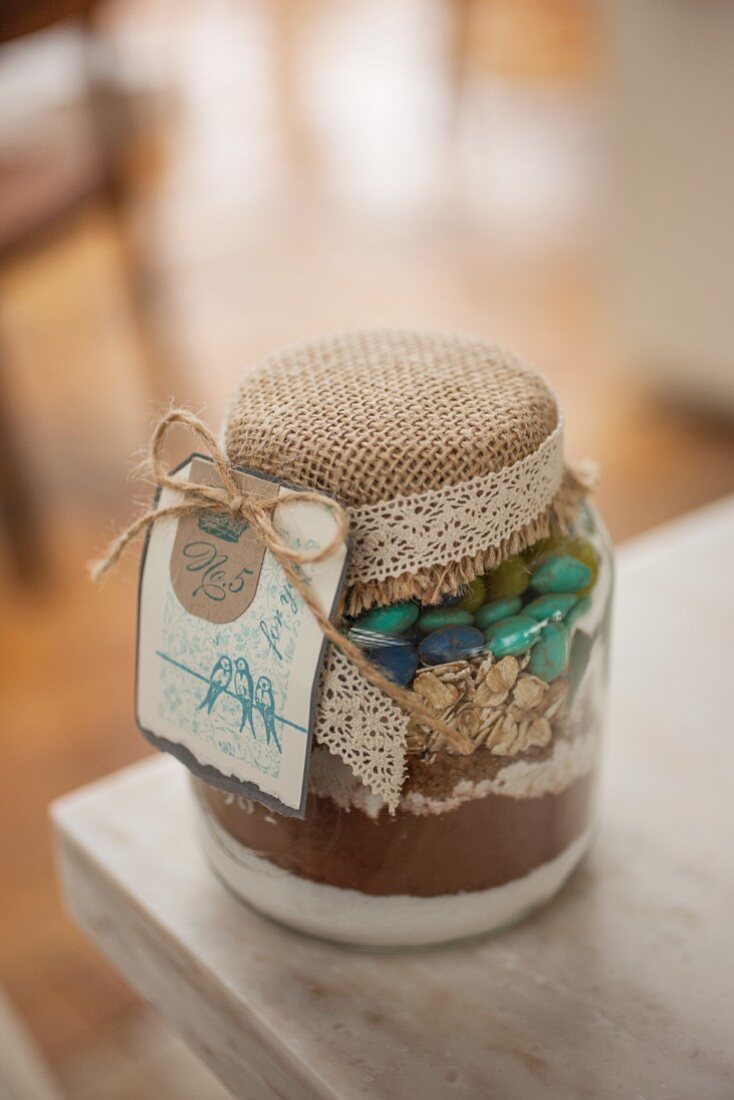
pixel 186 185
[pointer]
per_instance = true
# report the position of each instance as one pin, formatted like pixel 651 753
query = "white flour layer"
pixel 394 920
pixel 331 778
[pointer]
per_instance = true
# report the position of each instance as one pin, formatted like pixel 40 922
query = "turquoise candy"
pixel 452 643
pixel 493 612
pixel 578 611
pixel 549 656
pixel 444 616
pixel 512 636
pixel 388 620
pixel 561 573
pixel 398 661
pixel 550 607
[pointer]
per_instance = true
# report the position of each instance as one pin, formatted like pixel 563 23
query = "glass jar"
pixel 477 841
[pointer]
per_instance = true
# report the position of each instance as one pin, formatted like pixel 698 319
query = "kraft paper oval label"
pixel 216 558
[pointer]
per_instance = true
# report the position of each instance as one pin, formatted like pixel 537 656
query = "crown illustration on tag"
pixel 228 528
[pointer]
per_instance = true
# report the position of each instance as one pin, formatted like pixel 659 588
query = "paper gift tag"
pixel 229 656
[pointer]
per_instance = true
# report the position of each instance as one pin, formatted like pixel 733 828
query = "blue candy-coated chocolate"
pixel 452 643
pixel 512 636
pixel 561 573
pixel 498 609
pixel 398 660
pixel 550 654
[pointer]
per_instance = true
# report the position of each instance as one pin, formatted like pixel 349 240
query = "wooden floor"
pixel 294 185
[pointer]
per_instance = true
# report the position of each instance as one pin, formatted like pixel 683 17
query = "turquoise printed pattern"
pixel 226 684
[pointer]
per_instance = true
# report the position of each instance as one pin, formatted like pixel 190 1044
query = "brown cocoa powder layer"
pixel 480 844
pixel 436 775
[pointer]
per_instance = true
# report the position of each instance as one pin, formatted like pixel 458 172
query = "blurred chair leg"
pixel 18 513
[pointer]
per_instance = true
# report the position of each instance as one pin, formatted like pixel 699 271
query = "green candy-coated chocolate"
pixel 474 595
pixel 391 620
pixel 550 654
pixel 561 573
pixel 512 636
pixel 577 612
pixel 507 580
pixel 555 606
pixel 493 612
pixel 439 617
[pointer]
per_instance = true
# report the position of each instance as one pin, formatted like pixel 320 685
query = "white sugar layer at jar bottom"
pixel 396 920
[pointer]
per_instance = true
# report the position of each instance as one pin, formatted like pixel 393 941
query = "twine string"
pixel 258 513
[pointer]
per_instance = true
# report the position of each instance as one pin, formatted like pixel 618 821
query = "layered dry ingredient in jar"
pixel 410 838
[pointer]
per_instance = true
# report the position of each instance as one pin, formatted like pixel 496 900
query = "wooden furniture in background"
pixel 41 190
pixel 619 988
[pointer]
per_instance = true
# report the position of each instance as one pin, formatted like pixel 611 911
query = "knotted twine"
pixel 258 513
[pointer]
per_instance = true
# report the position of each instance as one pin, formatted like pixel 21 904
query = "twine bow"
pixel 258 512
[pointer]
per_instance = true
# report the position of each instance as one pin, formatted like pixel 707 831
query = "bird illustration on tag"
pixel 244 690
pixel 266 706
pixel 219 681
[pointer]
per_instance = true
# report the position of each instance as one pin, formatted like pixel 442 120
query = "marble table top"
pixel 623 987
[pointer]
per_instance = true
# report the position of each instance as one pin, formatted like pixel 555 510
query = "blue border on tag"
pixel 208 772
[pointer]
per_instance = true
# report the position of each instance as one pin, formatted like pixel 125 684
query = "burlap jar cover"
pixel 447 454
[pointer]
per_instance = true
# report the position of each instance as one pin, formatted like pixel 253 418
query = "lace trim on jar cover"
pixel 427 545
pixel 446 577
